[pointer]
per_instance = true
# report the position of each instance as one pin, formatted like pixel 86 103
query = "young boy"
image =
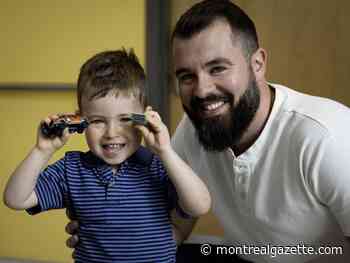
pixel 120 192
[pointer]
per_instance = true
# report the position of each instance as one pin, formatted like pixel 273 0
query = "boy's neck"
pixel 114 169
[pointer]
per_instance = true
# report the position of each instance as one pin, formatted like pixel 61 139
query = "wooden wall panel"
pixel 306 42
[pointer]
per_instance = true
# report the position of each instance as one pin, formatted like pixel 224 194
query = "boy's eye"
pixel 125 119
pixel 95 121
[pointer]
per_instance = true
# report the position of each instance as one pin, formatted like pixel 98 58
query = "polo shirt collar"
pixel 142 156
pixel 258 146
pixel 103 171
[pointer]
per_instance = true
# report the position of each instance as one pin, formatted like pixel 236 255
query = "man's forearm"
pixel 182 227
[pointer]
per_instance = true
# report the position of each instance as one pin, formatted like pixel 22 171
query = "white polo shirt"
pixel 291 187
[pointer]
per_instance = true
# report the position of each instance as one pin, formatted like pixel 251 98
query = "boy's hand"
pixel 50 145
pixel 156 135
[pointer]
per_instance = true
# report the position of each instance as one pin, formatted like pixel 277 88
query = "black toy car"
pixel 135 118
pixel 74 123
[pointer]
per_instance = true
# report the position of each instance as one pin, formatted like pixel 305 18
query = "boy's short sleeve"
pixel 50 188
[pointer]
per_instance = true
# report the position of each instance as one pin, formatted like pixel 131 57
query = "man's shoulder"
pixel 313 113
pixel 185 138
pixel 185 125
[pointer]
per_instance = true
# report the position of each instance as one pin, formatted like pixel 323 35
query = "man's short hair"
pixel 203 14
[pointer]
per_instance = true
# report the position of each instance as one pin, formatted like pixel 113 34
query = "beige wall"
pixel 308 50
pixel 47 41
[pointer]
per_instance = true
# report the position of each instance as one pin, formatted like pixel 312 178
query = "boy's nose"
pixel 112 129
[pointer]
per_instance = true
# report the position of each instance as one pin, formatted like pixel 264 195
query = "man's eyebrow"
pixel 219 60
pixel 216 61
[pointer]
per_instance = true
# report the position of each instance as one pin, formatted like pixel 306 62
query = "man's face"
pixel 217 86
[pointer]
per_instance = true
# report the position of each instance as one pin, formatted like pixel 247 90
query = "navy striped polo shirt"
pixel 123 217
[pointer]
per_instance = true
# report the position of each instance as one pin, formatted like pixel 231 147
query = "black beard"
pixel 221 132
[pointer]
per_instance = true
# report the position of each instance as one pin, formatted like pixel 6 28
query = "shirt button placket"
pixel 242 175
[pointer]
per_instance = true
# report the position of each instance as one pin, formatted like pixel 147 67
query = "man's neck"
pixel 267 97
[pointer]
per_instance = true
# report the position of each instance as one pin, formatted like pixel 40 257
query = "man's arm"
pixel 182 227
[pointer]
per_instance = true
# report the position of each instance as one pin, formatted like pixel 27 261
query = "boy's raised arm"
pixel 194 197
pixel 19 192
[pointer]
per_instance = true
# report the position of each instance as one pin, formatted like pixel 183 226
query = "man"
pixel 273 159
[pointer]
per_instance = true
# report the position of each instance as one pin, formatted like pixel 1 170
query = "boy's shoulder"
pixel 74 154
pixel 142 156
pixel 73 157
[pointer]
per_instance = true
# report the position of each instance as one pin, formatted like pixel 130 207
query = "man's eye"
pixel 185 78
pixel 217 69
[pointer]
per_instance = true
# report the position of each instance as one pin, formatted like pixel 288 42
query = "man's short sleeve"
pixel 331 178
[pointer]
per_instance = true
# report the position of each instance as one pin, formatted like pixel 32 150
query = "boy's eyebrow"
pixel 121 115
pixel 92 117
pixel 124 115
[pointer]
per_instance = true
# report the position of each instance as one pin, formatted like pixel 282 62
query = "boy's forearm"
pixel 19 191
pixel 193 194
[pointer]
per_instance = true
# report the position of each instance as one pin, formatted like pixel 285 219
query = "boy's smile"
pixel 108 136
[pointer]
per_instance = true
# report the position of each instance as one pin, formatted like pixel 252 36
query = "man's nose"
pixel 204 86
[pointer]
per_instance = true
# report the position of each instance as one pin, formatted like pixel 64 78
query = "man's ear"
pixel 258 63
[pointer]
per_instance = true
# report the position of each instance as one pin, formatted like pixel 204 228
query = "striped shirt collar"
pixel 142 156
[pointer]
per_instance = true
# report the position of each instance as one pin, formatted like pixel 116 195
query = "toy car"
pixel 136 118
pixel 74 123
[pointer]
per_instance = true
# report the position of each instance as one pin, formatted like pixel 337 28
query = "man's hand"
pixel 72 229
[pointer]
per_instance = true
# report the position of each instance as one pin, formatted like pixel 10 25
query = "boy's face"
pixel 107 137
